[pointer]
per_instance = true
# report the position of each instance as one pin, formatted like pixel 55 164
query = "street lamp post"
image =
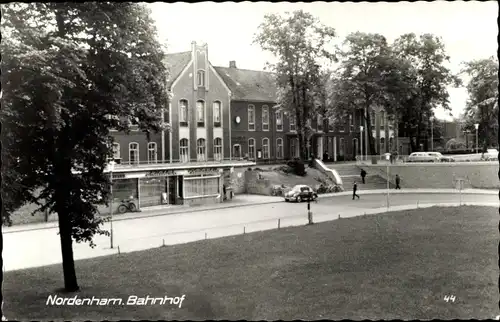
pixel 432 134
pixel 477 141
pixel 361 141
pixel 387 157
pixel 111 168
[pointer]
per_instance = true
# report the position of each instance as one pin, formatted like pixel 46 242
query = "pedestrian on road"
pixel 354 189
pixel 398 181
pixel 224 192
pixel 363 175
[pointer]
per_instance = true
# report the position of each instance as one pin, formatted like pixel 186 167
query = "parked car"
pixel 441 157
pixel 490 155
pixel 300 193
pixel 424 157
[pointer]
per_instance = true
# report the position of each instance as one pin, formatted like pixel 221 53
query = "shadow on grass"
pixel 391 266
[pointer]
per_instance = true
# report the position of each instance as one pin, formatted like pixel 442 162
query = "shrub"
pixel 298 167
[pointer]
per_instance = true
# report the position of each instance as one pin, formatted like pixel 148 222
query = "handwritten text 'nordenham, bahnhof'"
pixel 56 300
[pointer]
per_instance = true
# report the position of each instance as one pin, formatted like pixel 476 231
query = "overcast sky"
pixel 468 29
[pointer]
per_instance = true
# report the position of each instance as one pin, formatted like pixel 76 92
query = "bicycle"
pixel 127 204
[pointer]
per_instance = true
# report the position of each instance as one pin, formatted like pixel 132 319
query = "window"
pixel 372 118
pixel 200 187
pixel 351 122
pixel 265 148
pixel 382 145
pixel 217 113
pixel 251 118
pixel 279 121
pixel 237 151
pixel 265 118
pixel 200 78
pixel 200 113
pixel 279 148
pixel 218 149
pixel 293 148
pixel 341 147
pixel 133 153
pixel 320 122
pixel 355 146
pixel 184 150
pixel 251 149
pixel 292 123
pixel 116 151
pixel 200 148
pixel 183 112
pixel 152 153
pixel 382 120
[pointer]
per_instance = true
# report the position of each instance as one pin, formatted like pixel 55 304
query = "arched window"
pixel 200 78
pixel 200 113
pixel 265 148
pixel 184 150
pixel 279 121
pixel 251 149
pixel 355 147
pixel 183 112
pixel 217 110
pixel 116 151
pixel 152 152
pixel 251 118
pixel 265 118
pixel 218 149
pixel 133 153
pixel 201 148
pixel 293 148
pixel 279 148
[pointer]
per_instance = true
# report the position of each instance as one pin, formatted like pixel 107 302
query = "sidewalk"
pixel 243 200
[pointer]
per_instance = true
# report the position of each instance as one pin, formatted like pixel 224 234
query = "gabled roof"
pixel 176 63
pixel 249 85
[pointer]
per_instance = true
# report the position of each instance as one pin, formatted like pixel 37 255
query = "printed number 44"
pixel 449 298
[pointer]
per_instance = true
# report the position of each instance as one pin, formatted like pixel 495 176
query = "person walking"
pixel 398 181
pixel 363 175
pixel 354 189
pixel 224 192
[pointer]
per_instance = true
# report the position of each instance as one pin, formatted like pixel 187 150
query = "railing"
pixel 207 161
pixel 381 159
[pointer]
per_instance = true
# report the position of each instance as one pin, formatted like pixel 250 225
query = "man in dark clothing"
pixel 363 175
pixel 354 189
pixel 224 192
pixel 398 180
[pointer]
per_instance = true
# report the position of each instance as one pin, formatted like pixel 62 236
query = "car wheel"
pixel 299 199
pixel 122 209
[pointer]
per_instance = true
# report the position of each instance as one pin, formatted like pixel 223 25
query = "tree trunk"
pixel 65 228
pixel 68 262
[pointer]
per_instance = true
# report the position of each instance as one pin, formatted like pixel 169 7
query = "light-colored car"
pixel 441 157
pixel 300 193
pixel 490 155
pixel 424 157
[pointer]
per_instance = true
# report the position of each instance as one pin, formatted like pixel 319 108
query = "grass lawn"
pixel 395 266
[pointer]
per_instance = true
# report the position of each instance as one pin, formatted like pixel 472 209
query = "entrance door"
pixel 171 190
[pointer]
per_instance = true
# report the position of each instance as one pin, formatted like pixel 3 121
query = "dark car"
pixel 300 193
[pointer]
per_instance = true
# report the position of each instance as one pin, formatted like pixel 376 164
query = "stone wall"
pixel 481 175
pixel 237 180
pixel 256 185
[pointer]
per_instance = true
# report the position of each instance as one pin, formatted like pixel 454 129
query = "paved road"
pixel 42 247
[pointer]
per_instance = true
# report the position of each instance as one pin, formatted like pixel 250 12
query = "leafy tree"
pixel 482 104
pixel 300 43
pixel 361 81
pixel 428 79
pixel 70 72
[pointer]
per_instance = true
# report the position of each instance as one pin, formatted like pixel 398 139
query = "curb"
pixel 279 200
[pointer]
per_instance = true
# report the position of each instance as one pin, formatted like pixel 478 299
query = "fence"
pixel 381 159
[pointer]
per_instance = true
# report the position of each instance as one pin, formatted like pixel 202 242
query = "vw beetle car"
pixel 300 193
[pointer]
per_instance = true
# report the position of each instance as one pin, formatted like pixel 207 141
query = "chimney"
pixel 232 64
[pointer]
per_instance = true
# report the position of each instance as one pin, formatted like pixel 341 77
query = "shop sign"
pixel 135 175
pixel 161 173
pixel 118 176
pixel 202 171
